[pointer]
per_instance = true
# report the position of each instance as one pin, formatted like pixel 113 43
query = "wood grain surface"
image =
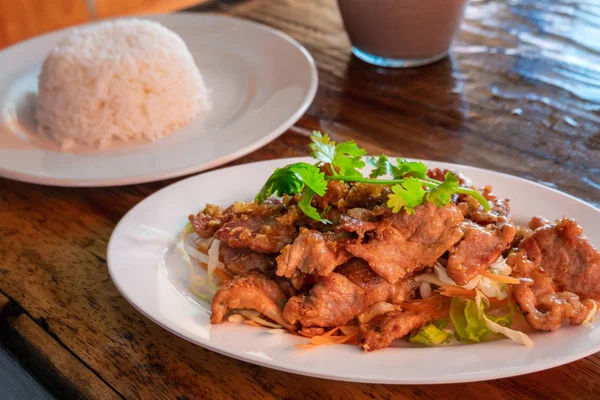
pixel 521 94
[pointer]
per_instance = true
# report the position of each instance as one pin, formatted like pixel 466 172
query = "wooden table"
pixel 521 94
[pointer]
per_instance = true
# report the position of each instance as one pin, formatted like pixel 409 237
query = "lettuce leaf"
pixel 469 320
pixel 458 318
pixel 476 329
pixel 430 335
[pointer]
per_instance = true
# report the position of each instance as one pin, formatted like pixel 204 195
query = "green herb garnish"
pixel 292 179
pixel 409 184
pixel 343 159
pixel 406 195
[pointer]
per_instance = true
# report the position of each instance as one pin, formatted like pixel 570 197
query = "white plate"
pixel 262 81
pixel 150 275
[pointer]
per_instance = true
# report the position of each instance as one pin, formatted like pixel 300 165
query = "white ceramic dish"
pixel 262 81
pixel 150 274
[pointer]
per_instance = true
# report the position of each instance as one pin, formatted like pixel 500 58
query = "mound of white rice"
pixel 120 79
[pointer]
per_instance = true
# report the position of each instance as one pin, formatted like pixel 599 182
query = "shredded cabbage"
pixel 591 315
pixel 495 323
pixel 492 288
pixel 236 318
pixel 440 277
pixel 425 290
pixel 198 284
pixel 253 315
pixel 202 243
pixel 213 260
pixel 375 310
pixel 489 287
pixel 500 267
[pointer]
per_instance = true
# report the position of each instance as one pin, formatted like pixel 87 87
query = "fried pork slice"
pixel 341 296
pixel 566 255
pixel 544 306
pixel 313 252
pixel 250 291
pixel 498 213
pixel 376 288
pixel 334 196
pixel 440 174
pixel 538 222
pixel 239 261
pixel 265 228
pixel 367 195
pixel 359 221
pixel 478 250
pixel 557 266
pixel 301 281
pixel 385 328
pixel 333 301
pixel 402 244
pixel 209 220
pixel 344 196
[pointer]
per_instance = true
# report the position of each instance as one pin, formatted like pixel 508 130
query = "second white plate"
pixel 262 81
pixel 149 272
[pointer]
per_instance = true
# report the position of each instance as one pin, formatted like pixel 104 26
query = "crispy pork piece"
pixel 334 196
pixel 478 250
pixel 359 221
pixel 565 255
pixel 333 301
pixel 209 220
pixel 383 329
pixel 439 174
pixel 366 195
pixel 239 261
pixel 499 208
pixel 342 295
pixel 313 252
pixel 557 266
pixel 377 289
pixel 344 196
pixel 402 244
pixel 250 291
pixel 265 229
pixel 538 222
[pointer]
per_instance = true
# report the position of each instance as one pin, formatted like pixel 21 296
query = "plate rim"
pixel 285 125
pixel 304 370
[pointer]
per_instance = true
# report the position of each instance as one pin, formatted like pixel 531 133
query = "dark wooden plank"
pixel 59 370
pixel 16 383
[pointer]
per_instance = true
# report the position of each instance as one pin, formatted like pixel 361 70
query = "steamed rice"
pixel 121 79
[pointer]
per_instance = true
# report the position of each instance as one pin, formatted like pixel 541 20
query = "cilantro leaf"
pixel 406 195
pixel 292 179
pixel 282 181
pixel 441 195
pixel 323 148
pixel 414 168
pixel 382 166
pixel 348 159
pixel 311 176
pixel 344 158
pixel 305 205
